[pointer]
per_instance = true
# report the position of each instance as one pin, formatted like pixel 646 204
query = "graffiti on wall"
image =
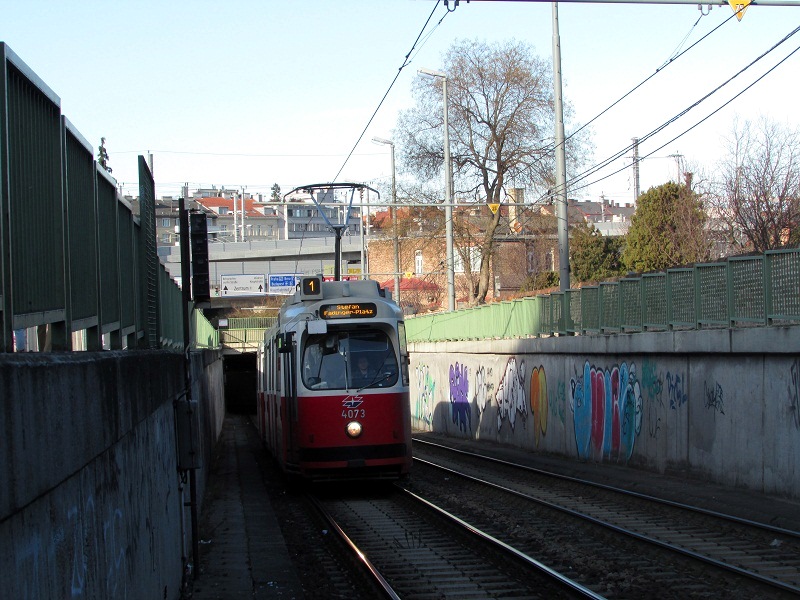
pixel 510 396
pixel 88 530
pixel 539 404
pixel 467 386
pixel 425 386
pixel 676 390
pixel 652 386
pixel 459 397
pixel 607 411
pixel 558 402
pixel 714 400
pixel 483 388
pixel 794 393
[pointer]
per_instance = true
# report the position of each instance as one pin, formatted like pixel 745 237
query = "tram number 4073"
pixel 354 413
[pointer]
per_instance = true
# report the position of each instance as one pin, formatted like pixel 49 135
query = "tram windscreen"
pixel 349 360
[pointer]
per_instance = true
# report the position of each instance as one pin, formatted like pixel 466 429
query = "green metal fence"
pixel 251 322
pixel 204 334
pixel 73 256
pixel 742 291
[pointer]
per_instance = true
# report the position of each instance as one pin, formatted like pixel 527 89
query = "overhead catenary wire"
pixel 406 62
pixel 551 148
pixel 685 111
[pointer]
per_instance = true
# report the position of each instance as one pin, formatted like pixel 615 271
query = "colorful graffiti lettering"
pixel 607 411
pixel 714 397
pixel 538 399
pixel 510 396
pixel 459 397
pixel 423 407
pixel 677 395
pixel 794 393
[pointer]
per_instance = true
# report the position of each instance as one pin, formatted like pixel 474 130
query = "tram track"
pixel 415 549
pixel 763 559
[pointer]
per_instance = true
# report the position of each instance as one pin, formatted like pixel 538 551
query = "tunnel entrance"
pixel 240 383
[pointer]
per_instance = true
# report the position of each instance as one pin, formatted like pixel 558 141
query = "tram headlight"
pixel 353 429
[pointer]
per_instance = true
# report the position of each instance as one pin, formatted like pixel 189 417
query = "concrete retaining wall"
pixel 721 404
pixel 91 504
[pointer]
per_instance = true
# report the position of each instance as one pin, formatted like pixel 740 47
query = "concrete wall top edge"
pixel 756 340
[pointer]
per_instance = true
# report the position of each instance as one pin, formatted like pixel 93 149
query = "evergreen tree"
pixel 594 257
pixel 275 196
pixel 667 229
pixel 102 155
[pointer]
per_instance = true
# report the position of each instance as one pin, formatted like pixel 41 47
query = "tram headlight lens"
pixel 353 429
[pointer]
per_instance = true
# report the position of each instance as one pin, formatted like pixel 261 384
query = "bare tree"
pixel 501 119
pixel 758 194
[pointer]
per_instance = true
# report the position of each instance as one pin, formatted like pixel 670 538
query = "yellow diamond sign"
pixel 739 6
pixel 493 208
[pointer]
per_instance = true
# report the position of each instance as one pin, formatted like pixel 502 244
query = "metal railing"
pixel 251 322
pixel 741 291
pixel 75 261
pixel 241 340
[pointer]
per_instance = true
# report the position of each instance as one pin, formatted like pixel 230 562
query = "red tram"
pixel 333 399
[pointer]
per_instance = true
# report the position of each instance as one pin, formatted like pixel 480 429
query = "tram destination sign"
pixel 353 310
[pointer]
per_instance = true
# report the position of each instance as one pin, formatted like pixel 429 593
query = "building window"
pixel 166 222
pixel 474 260
pixel 223 210
pixel 418 266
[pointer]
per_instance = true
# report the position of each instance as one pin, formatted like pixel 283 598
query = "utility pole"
pixel 242 219
pixel 635 170
pixel 394 221
pixel 561 161
pixel 448 194
pixel 679 165
pixel 235 220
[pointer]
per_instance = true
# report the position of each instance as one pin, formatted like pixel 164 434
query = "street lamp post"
pixel 448 207
pixel 561 170
pixel 394 221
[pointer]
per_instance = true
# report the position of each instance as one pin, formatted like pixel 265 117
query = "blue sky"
pixel 252 93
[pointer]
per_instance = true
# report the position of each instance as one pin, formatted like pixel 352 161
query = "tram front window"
pixel 345 360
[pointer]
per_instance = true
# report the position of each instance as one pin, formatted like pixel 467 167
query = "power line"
pixel 656 72
pixel 711 113
pixel 406 62
pixel 664 125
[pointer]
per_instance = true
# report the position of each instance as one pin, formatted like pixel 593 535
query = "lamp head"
pixel 432 73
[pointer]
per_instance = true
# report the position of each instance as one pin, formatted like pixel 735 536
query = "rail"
pixel 744 291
